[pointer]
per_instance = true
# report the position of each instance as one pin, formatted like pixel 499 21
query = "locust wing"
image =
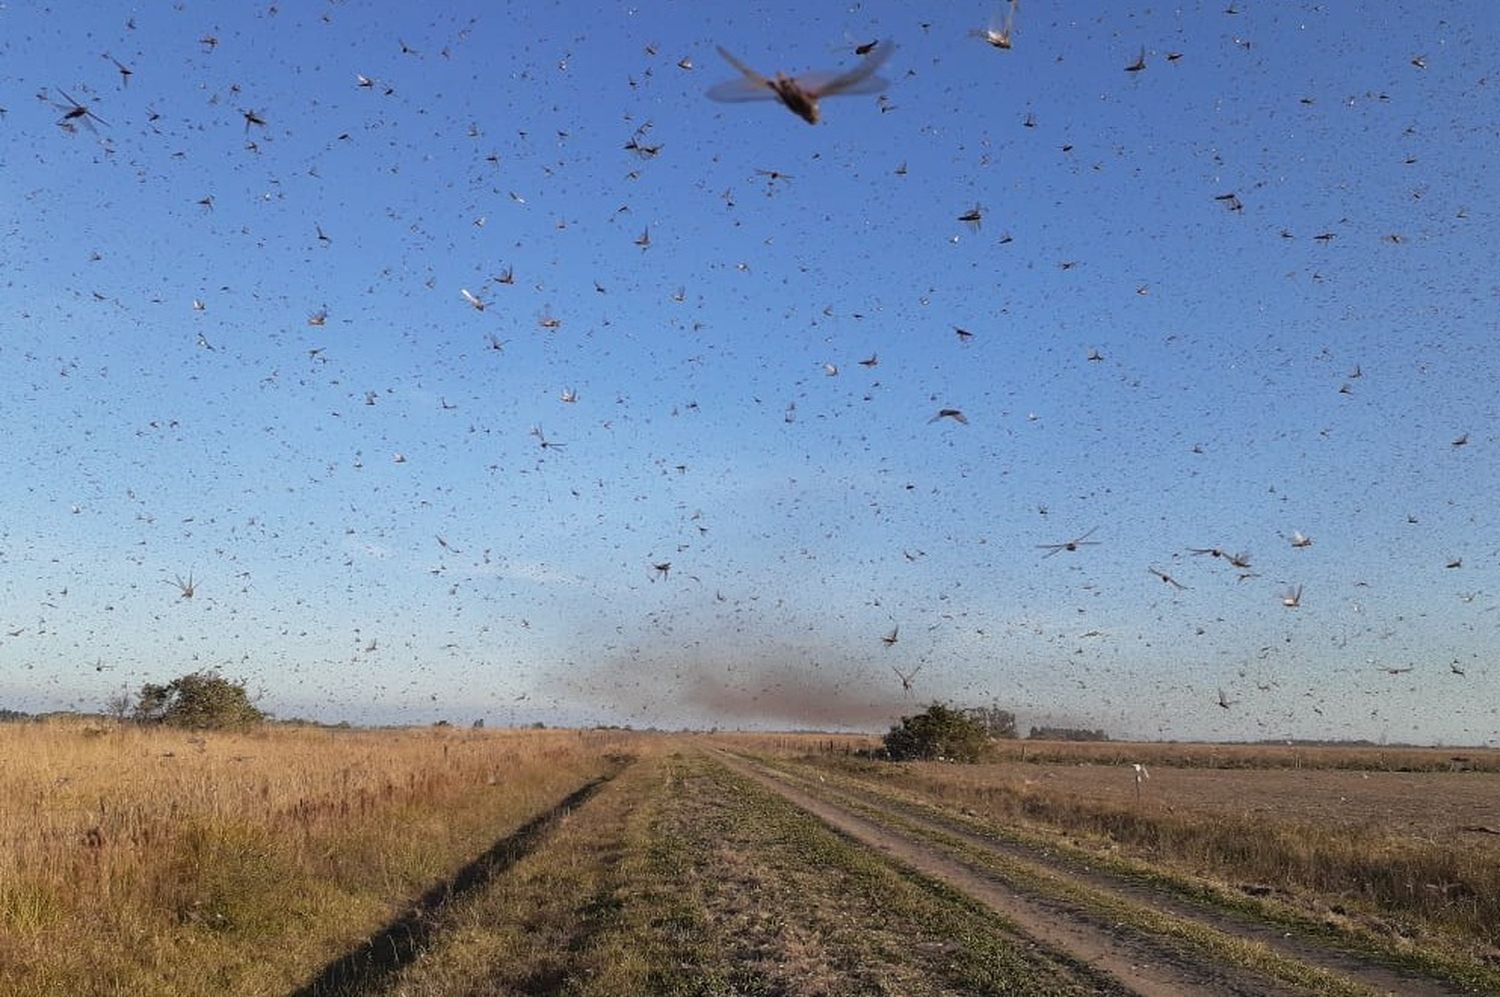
pixel 755 86
pixel 751 85
pixel 860 79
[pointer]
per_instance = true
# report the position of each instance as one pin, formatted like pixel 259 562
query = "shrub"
pixel 201 700
pixel 939 732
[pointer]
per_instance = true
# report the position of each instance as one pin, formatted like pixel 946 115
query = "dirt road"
pixel 1087 914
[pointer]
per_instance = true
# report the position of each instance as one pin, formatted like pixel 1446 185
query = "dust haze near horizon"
pixel 1235 296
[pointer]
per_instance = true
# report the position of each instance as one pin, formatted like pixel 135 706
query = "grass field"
pixel 438 861
pixel 154 861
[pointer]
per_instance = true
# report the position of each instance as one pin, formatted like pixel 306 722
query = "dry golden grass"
pixel 1153 753
pixel 1189 754
pixel 776 744
pixel 1253 756
pixel 159 861
pixel 164 862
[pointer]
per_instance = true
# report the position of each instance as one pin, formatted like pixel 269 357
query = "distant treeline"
pixel 1066 734
pixel 1297 742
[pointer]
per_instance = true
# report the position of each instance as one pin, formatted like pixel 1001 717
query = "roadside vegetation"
pixel 154 859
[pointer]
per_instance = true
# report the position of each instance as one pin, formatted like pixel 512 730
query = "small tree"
pixel 201 700
pixel 938 733
pixel 995 721
pixel 118 705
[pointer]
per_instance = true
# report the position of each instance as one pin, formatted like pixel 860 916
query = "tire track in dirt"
pixel 812 912
pixel 1361 969
pixel 1139 962
pixel 371 964
pixel 1146 973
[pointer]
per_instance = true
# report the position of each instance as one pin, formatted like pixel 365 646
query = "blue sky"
pixel 171 408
